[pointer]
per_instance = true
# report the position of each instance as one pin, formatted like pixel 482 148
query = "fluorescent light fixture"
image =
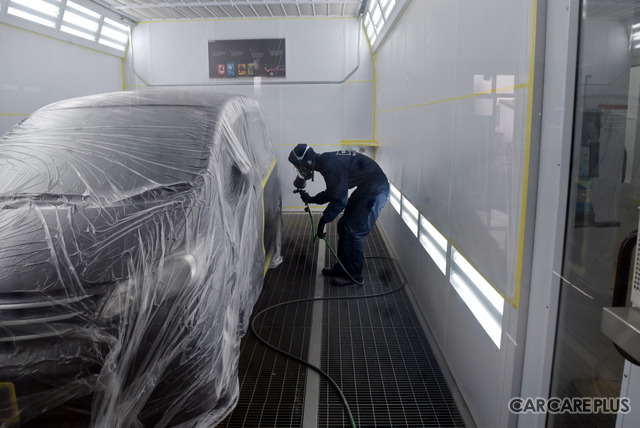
pixel 38 11
pixel 435 244
pixel 410 215
pixel 387 7
pixel 49 8
pixel 77 20
pixel 114 34
pixel 376 18
pixel 81 9
pixel 485 303
pixel 395 197
pixel 373 38
pixel 30 17
pixel 111 44
pixel 77 32
pixel 80 21
pixel 636 25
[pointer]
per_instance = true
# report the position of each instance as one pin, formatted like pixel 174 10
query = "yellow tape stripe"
pixel 506 89
pixel 13 401
pixel 267 264
pixel 15 114
pixel 368 143
pixel 264 183
pixel 271 168
pixel 525 174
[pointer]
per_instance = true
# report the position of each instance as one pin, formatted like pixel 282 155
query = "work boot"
pixel 333 271
pixel 342 281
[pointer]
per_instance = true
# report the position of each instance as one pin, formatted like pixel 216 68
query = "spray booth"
pixel 159 267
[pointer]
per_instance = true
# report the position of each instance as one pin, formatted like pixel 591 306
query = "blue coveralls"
pixel 342 171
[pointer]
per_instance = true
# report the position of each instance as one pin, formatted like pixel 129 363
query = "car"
pixel 279 71
pixel 136 229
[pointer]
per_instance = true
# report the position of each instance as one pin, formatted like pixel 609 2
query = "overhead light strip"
pixel 73 18
pixel 39 11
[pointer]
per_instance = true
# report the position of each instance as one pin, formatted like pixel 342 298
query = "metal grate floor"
pixel 374 348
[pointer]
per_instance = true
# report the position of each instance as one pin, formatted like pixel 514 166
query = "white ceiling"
pixel 158 10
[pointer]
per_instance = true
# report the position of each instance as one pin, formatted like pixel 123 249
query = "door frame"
pixel 560 58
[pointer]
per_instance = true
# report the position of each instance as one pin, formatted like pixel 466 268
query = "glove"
pixel 306 198
pixel 320 231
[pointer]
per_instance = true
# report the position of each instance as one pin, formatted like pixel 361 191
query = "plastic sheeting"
pixel 132 253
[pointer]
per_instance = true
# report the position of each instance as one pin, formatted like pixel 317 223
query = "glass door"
pixel 603 205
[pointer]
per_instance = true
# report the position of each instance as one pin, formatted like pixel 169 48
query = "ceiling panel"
pixel 158 10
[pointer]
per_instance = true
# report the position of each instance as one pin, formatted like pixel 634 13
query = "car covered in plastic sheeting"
pixel 135 232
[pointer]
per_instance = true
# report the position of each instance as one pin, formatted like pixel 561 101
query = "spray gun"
pixel 300 183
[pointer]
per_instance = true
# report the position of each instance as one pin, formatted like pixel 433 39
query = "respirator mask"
pixel 304 164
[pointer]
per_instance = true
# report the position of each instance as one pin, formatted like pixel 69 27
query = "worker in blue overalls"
pixel 343 170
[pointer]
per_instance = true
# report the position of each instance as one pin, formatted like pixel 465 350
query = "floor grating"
pixel 374 348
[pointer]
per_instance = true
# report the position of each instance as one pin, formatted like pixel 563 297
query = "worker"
pixel 343 170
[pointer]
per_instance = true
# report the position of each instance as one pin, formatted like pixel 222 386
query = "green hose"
pixel 313 231
pixel 311 299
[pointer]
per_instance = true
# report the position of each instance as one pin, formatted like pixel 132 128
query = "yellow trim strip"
pixel 461 97
pixel 15 114
pixel 264 183
pixel 267 264
pixel 271 168
pixel 359 143
pixel 13 401
pixel 527 156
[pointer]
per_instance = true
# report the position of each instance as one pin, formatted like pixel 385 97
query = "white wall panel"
pixel 453 84
pixel 453 120
pixel 37 70
pixel 478 366
pixel 326 99
pixel 175 52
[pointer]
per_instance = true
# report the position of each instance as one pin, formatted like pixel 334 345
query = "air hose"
pixel 312 299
